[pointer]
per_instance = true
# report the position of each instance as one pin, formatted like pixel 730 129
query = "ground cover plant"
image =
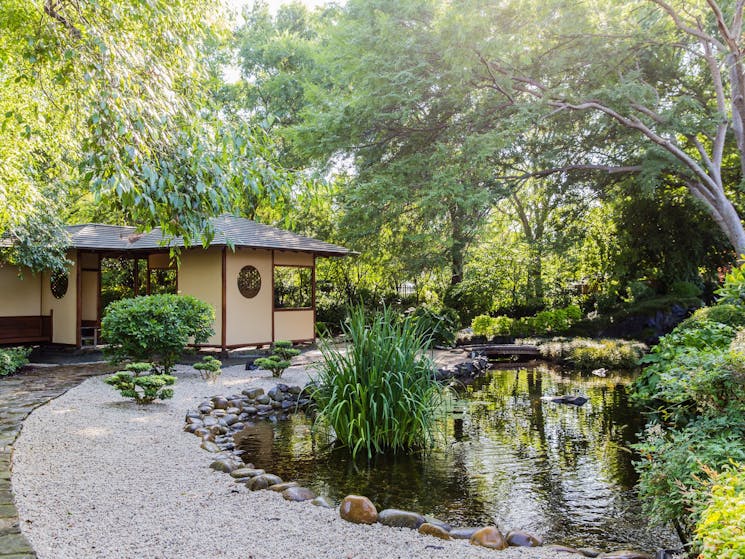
pixel 156 328
pixel 381 395
pixel 12 359
pixel 140 382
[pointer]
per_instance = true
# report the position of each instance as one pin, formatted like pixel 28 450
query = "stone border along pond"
pixel 216 420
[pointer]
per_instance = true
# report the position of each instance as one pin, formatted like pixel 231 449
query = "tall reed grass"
pixel 381 395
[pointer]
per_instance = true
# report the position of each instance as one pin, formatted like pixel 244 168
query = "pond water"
pixel 505 456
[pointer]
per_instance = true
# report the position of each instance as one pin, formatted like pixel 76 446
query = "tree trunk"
pixel 535 273
pixel 457 247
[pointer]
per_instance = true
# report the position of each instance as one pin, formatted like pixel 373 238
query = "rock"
pixel 571 400
pixel 294 390
pixel 287 404
pixel 233 411
pixel 561 548
pixel 433 530
pixel 589 552
pixel 223 466
pixel 237 426
pixel 230 419
pixel 220 403
pixel 463 533
pixel 624 554
pixel 276 394
pixel 219 413
pixel 282 486
pixel 519 538
pixel 282 387
pixel 400 518
pixel 437 522
pixel 250 410
pixel 209 421
pixel 209 446
pixel 298 494
pixel 246 472
pixel 205 410
pixel 191 427
pixel 601 372
pixel 276 405
pixel 358 509
pixel 193 417
pixel 263 481
pixel 263 399
pixel 322 502
pixel 201 432
pixel 253 392
pixel 489 537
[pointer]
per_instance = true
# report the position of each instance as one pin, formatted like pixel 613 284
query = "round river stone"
pixel 489 537
pixel 433 530
pixel 246 472
pixel 463 533
pixel 519 538
pixel 624 554
pixel 358 509
pixel 298 494
pixel 400 518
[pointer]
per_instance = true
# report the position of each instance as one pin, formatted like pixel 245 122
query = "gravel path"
pixel 96 476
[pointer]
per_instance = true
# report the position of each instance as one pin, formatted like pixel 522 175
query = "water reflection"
pixel 506 456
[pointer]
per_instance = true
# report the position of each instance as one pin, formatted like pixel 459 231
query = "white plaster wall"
pixel 19 296
pixel 64 323
pixel 293 325
pixel 291 258
pixel 200 275
pixel 249 321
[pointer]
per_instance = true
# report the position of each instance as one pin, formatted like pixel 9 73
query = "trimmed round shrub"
pixel 133 383
pixel 156 328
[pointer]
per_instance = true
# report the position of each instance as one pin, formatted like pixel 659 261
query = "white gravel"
pixel 97 476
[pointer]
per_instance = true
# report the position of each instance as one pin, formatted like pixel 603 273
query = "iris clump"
pixel 382 394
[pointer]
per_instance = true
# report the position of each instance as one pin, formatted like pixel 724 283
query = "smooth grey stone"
pixel 230 419
pixel 298 494
pixel 250 410
pixel 589 552
pixel 220 403
pixel 282 387
pixel 518 538
pixel 237 426
pixel 253 392
pixel 235 410
pixel 191 427
pixel 247 472
pixel 264 408
pixel 401 518
pixel 219 413
pixel 294 390
pixel 463 533
pixel 322 502
pixel 209 446
pixel 225 466
pixel 287 404
pixel 437 522
pixel 263 399
pixel 209 421
pixel 624 554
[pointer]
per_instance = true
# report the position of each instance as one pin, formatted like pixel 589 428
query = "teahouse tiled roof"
pixel 229 230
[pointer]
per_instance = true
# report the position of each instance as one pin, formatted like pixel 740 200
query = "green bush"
pixel 720 534
pixel 12 359
pixel 439 326
pixel 156 328
pixel 209 368
pixel 282 353
pixel 731 315
pixel 586 354
pixel 733 289
pixel 381 394
pixel 541 324
pixel 143 388
pixel 685 289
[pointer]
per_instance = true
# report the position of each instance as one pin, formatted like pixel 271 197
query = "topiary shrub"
pixel 282 352
pixel 12 359
pixel 132 382
pixel 209 368
pixel 156 328
pixel 381 394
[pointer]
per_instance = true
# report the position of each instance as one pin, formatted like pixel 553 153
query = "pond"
pixel 506 456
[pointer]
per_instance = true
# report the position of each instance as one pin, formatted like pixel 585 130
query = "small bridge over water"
pixel 494 351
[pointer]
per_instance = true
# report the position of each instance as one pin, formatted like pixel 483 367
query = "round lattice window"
pixel 58 284
pixel 249 281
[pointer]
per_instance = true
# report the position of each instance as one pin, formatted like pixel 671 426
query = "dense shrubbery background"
pixel 12 359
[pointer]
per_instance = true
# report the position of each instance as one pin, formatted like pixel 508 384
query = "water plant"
pixel 133 382
pixel 282 352
pixel 209 368
pixel 381 394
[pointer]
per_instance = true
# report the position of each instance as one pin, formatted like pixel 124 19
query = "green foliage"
pixel 720 534
pixel 733 289
pixel 143 388
pixel 12 359
pixel 209 368
pixel 544 323
pixel 282 353
pixel 439 326
pixel 381 394
pixel 728 314
pixel 156 327
pixel 685 289
pixel 586 354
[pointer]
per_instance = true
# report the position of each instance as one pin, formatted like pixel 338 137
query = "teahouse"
pixel 259 279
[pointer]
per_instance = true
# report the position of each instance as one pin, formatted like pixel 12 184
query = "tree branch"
pixel 51 7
